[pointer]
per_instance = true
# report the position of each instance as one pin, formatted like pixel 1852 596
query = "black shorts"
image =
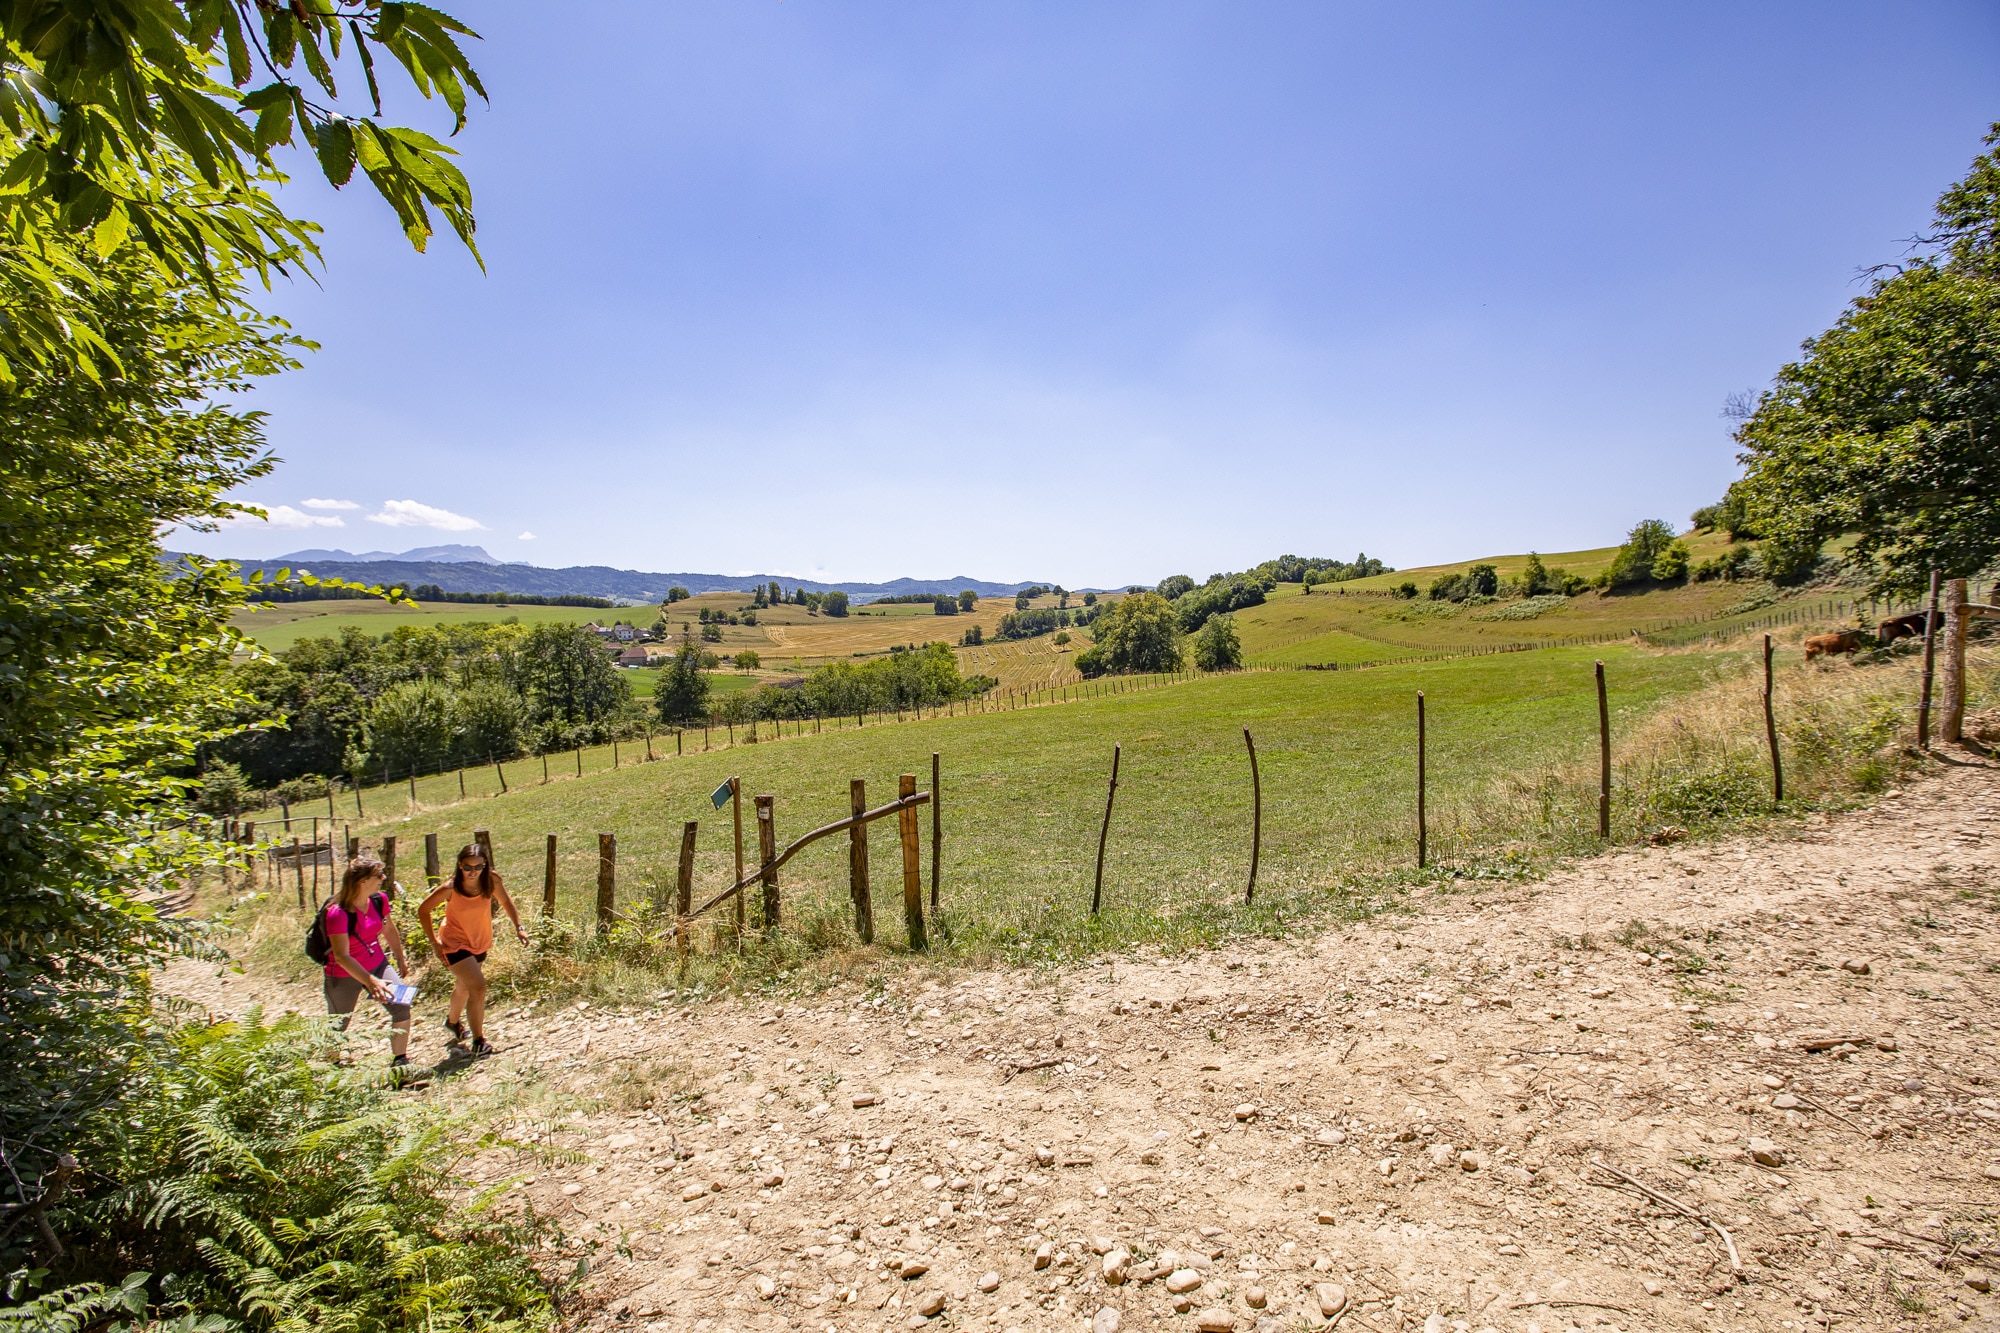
pixel 457 956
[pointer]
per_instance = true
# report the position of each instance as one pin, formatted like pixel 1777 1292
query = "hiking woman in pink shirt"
pixel 358 921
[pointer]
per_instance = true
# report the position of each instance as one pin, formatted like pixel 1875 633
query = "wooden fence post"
pixel 299 867
pixel 614 752
pixel 359 813
pixel 545 768
pixel 857 864
pixel 736 814
pixel 1930 662
pixel 767 852
pixel 1603 757
pixel 413 789
pixel 684 890
pixel 432 872
pixel 1256 816
pixel 501 773
pixel 285 808
pixel 461 783
pixel 1104 833
pixel 1423 834
pixel 1951 680
pixel 913 883
pixel 1771 731
pixel 607 880
pixel 389 863
pixel 549 876
pixel 937 832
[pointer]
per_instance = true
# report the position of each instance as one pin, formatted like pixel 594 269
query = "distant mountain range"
pixel 471 569
pixel 447 554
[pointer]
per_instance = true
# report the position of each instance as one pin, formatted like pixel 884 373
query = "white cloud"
pixel 525 537
pixel 412 514
pixel 329 504
pixel 284 516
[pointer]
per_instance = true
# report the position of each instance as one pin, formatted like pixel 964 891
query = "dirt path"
pixel 1402 1115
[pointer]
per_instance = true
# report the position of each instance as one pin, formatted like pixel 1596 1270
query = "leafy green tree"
pixel 411 728
pixel 974 637
pixel 833 603
pixel 677 594
pixel 1535 579
pixel 1140 633
pixel 224 791
pixel 945 606
pixel 1175 585
pixel 1216 647
pixel 1482 581
pixel 571 683
pixel 1090 599
pixel 1886 426
pixel 680 696
pixel 968 600
pixel 747 660
pixel 1671 565
pixel 488 721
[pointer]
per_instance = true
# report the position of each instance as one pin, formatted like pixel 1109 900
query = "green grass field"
pixel 286 623
pixel 1024 791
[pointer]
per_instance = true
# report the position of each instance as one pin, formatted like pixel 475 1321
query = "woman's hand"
pixel 520 934
pixel 378 990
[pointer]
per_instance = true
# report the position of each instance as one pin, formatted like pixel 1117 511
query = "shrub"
pixel 1405 590
pixel 1728 566
pixel 1216 647
pixel 833 603
pixel 973 637
pixel 1671 565
pixel 1062 638
pixel 1644 544
pixel 747 660
pixel 967 600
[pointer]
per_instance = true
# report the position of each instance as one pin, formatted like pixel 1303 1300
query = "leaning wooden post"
pixel 433 872
pixel 549 876
pixel 607 880
pixel 857 863
pixel 767 852
pixel 1603 757
pixel 684 890
pixel 1423 834
pixel 736 814
pixel 937 832
pixel 413 788
pixel 389 863
pixel 1951 708
pixel 1256 816
pixel 1930 662
pixel 913 882
pixel 501 773
pixel 1771 731
pixel 1104 833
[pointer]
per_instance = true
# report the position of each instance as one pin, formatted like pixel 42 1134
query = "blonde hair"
pixel 359 871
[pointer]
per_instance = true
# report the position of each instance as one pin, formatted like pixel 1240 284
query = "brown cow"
pixel 1910 626
pixel 1847 641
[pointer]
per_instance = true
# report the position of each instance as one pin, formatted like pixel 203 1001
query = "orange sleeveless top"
pixel 468 921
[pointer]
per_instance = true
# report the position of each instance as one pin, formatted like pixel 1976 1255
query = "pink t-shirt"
pixel 364 935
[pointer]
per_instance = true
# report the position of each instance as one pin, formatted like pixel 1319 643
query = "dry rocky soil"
pixel 1745 1084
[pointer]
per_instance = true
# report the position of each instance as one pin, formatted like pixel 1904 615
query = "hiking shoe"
pixel 457 1030
pixel 481 1048
pixel 400 1062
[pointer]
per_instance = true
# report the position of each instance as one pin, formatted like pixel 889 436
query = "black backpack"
pixel 319 946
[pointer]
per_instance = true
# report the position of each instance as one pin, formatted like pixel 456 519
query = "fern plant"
pixel 271 1191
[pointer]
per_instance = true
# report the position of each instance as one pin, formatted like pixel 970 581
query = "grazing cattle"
pixel 1910 626
pixel 1847 641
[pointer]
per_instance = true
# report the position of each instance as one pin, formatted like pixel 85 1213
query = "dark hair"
pixel 359 869
pixel 485 872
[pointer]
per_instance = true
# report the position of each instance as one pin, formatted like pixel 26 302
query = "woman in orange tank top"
pixel 468 898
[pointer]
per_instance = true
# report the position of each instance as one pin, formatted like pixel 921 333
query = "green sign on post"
pixel 720 796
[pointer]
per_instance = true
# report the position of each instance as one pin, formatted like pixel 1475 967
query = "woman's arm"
pixel 395 938
pixel 424 910
pixel 338 952
pixel 507 905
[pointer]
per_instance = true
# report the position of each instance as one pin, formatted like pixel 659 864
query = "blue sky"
pixel 1104 292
